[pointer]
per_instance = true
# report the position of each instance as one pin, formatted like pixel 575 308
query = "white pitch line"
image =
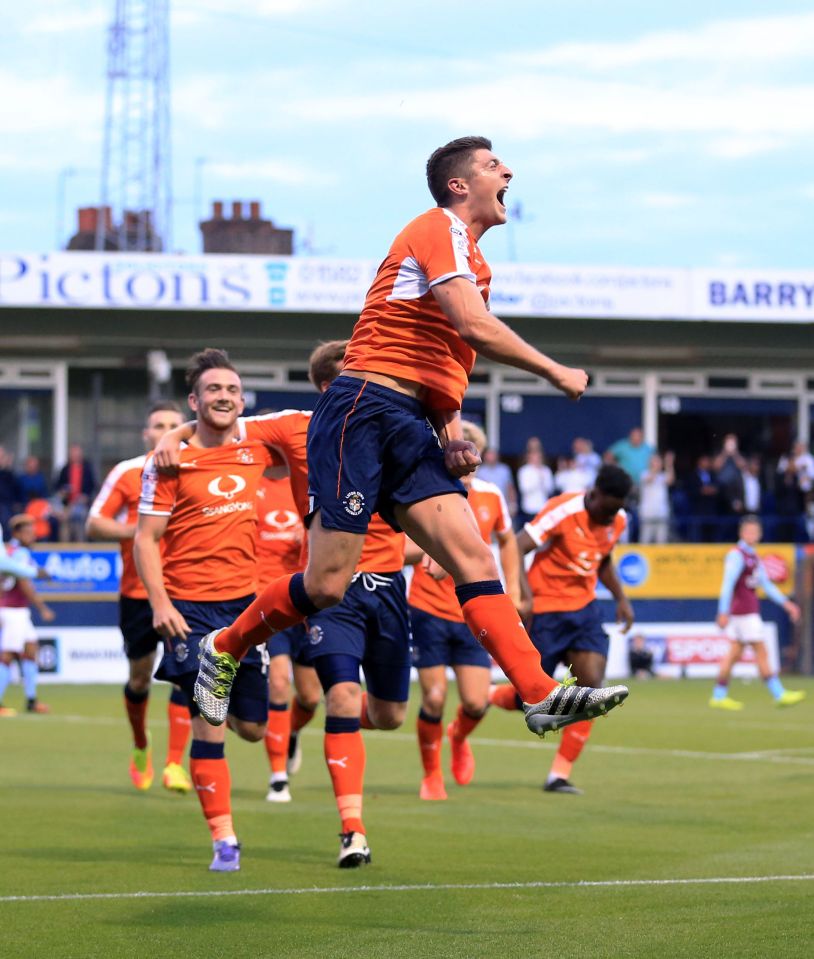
pixel 777 757
pixel 422 887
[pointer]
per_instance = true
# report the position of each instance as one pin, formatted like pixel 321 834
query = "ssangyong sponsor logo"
pixel 226 508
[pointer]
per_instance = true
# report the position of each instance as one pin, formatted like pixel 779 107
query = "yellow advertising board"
pixel 690 571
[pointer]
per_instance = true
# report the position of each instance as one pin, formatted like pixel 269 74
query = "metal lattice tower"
pixel 136 183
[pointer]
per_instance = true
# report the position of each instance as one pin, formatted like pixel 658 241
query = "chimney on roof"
pixel 241 234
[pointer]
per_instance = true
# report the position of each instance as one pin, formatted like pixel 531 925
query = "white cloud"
pixel 192 12
pixel 740 147
pixel 282 171
pixel 667 201
pixel 742 41
pixel 529 106
pixel 808 191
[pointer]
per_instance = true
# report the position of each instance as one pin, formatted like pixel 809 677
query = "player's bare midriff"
pixel 416 390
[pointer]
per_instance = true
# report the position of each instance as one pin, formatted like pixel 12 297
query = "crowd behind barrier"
pixel 699 505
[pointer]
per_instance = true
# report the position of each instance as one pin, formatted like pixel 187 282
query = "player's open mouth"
pixel 501 195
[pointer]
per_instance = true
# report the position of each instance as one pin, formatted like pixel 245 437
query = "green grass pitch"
pixel 680 802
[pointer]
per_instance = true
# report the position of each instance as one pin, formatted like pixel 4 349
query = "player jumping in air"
pixel 739 615
pixel 371 446
pixel 113 516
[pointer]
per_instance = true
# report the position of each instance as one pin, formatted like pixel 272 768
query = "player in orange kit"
pixel 573 536
pixel 280 541
pixel 371 447
pixel 113 516
pixel 206 517
pixel 441 639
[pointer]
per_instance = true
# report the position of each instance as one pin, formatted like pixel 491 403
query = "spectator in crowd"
pixel 704 494
pixel 570 477
pixel 76 485
pixel 493 470
pixel 654 499
pixel 803 465
pixel 729 465
pixel 752 485
pixel 632 453
pixel 535 481
pixel 586 458
pixel 640 658
pixel 32 483
pixel 8 486
pixel 789 501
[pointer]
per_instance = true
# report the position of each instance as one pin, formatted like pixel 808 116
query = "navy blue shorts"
pixel 291 642
pixel 372 625
pixel 554 634
pixel 136 624
pixel 250 693
pixel 370 448
pixel 442 642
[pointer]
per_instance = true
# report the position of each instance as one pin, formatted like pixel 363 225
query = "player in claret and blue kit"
pixel 739 615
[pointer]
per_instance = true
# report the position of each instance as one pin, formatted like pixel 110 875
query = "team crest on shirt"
pixel 245 456
pixel 181 652
pixel 354 502
pixel 315 635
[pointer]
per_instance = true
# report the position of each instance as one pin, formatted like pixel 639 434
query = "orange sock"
pixel 345 756
pixel 430 734
pixel 272 612
pixel 573 740
pixel 503 696
pixel 365 718
pixel 300 716
pixel 496 625
pixel 277 733
pixel 213 783
pixel 463 724
pixel 180 729
pixel 136 706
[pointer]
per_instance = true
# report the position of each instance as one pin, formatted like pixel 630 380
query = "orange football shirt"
pixel 285 433
pixel 402 331
pixel 571 547
pixel 438 596
pixel 118 500
pixel 280 531
pixel 209 543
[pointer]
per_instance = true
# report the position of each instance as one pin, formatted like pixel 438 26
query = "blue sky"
pixel 640 134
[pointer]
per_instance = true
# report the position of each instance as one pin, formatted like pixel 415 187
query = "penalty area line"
pixel 417 887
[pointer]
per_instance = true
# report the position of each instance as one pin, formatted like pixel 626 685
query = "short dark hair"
pixel 612 480
pixel 452 159
pixel 161 406
pixel 748 519
pixel 208 359
pixel 325 363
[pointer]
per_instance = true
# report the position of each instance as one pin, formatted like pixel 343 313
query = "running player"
pixel 739 615
pixel 206 516
pixel 280 542
pixel 18 637
pixel 573 536
pixel 441 639
pixel 113 516
pixel 371 447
